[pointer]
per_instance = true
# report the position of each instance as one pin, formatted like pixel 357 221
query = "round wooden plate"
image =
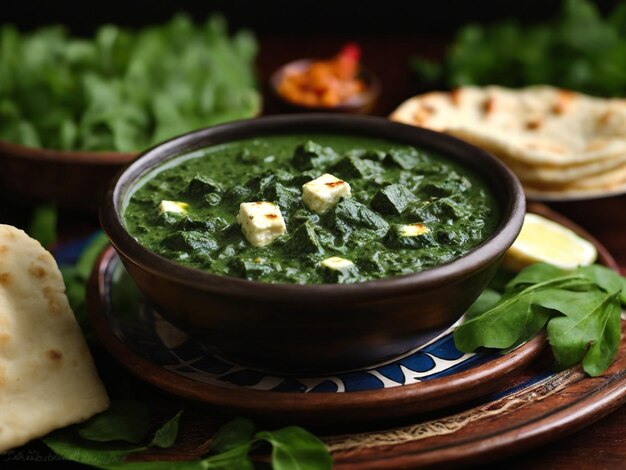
pixel 429 378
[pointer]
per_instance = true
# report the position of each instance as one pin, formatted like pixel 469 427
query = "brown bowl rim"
pixel 363 99
pixel 43 153
pixel 486 165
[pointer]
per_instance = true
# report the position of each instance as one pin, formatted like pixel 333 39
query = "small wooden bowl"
pixel 322 327
pixel 70 178
pixel 363 103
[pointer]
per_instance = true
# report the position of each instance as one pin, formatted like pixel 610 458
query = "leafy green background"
pixel 123 90
pixel 580 50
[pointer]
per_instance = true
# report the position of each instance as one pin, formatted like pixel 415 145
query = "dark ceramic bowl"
pixel 362 103
pixel 314 328
pixel 75 179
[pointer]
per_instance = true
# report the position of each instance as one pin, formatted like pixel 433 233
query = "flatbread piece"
pixel 553 139
pixel 47 376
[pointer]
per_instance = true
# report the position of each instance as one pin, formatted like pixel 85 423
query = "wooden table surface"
pixel 600 445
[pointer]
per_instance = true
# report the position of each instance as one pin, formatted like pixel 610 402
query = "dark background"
pixel 288 17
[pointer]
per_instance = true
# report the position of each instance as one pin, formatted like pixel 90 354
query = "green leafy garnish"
pixel 125 420
pixel 105 440
pixel 100 443
pixel 123 90
pixel 295 448
pixel 579 50
pixel 581 309
pixel 292 447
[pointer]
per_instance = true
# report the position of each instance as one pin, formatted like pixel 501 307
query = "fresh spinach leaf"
pixel 103 447
pixel 296 448
pixel 102 444
pixel 68 444
pixel 125 420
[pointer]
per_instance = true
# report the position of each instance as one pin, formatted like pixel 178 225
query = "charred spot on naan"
pixel 563 101
pixel 55 306
pixel 55 357
pixel 37 270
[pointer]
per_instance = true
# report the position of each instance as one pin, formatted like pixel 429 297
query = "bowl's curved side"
pixel 295 336
pixel 316 324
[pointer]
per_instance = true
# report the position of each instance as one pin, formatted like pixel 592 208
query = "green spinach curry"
pixel 379 209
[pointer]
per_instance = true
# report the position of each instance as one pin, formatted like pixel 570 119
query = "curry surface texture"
pixel 410 209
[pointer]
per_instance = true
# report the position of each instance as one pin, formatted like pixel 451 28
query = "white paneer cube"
pixel 261 222
pixel 173 207
pixel 412 230
pixel 337 264
pixel 323 193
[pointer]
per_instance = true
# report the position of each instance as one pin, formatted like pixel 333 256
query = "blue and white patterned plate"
pixel 157 351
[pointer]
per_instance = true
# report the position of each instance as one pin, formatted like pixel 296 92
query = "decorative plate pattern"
pixel 153 338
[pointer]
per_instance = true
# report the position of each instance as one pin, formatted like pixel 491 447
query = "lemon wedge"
pixel 544 241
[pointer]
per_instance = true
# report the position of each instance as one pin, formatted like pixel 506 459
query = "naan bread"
pixel 47 376
pixel 548 136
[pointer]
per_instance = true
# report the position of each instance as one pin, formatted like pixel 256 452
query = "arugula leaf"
pixel 296 448
pixel 534 274
pixel 513 320
pixel 125 420
pixel 43 224
pixel 607 279
pixel 581 309
pixel 589 333
pixel 487 299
